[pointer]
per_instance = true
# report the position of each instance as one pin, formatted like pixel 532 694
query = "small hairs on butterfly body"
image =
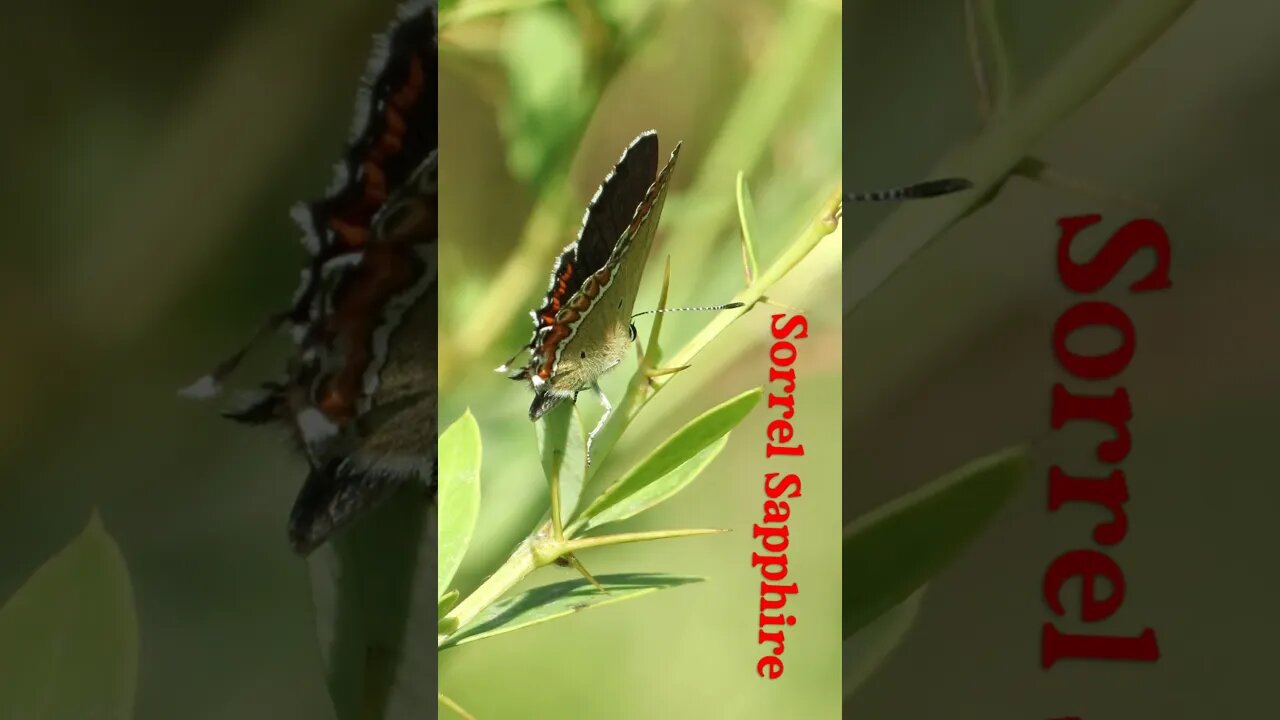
pixel 358 393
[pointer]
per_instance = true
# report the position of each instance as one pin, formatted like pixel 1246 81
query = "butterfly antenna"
pixel 506 366
pixel 928 188
pixel 211 384
pixel 704 308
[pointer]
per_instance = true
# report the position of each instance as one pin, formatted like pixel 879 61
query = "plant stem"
pixel 989 158
pixel 517 567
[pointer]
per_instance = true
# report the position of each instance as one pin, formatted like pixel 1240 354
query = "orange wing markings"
pixel 387 270
pixel 353 212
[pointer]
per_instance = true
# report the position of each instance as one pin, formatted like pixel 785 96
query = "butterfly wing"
pixel 592 331
pixel 603 223
pixel 629 257
pixel 612 208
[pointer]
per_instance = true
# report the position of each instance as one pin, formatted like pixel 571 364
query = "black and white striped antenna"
pixel 926 189
pixel 703 308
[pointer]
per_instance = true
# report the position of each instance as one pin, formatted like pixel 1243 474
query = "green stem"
pixel 517 567
pixel 989 158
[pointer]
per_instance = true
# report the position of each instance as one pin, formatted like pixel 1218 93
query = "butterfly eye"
pixel 632 332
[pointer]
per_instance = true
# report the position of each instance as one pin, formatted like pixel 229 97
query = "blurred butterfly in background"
pixel 358 394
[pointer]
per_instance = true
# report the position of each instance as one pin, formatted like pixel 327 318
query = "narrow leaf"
pixel 561 600
pixel 685 444
pixel 446 603
pixel 459 461
pixel 868 648
pixel 747 220
pixel 653 352
pixel 895 549
pixel 446 625
pixel 69 636
pixel 562 444
pixel 658 491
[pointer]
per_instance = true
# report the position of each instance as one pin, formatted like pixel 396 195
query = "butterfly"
pixel 583 328
pixel 358 393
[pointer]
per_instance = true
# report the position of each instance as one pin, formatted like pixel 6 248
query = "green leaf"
pixel 446 603
pixel 69 636
pixel 632 493
pixel 561 600
pixel 867 650
pixel 543 56
pixel 446 625
pixel 892 551
pixel 747 220
pixel 459 452
pixel 562 444
pixel 647 496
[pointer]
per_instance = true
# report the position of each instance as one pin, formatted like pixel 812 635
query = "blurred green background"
pixel 952 358
pixel 750 86
pixel 153 152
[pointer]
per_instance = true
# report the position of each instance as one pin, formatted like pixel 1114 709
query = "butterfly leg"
pixel 608 410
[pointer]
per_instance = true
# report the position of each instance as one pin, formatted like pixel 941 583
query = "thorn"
pixel 1036 169
pixel 659 372
pixel 652 374
pixel 781 306
pixel 577 565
